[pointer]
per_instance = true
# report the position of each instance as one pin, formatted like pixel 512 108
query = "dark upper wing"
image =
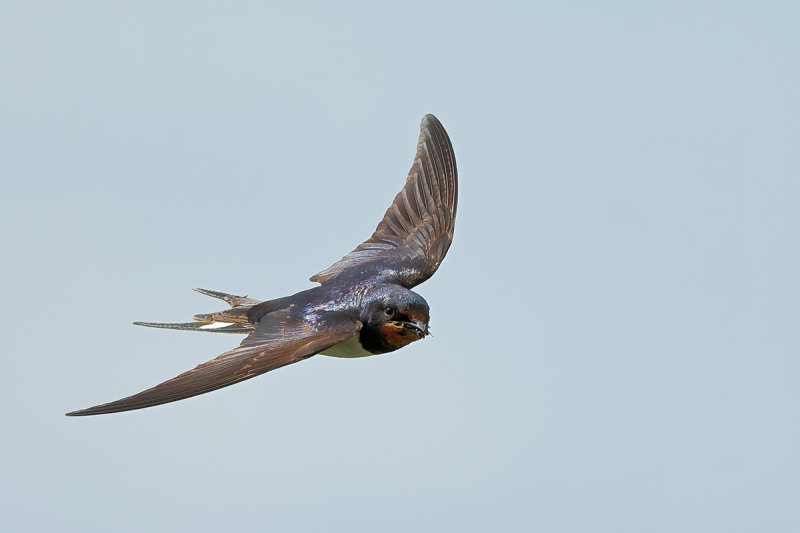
pixel 417 229
pixel 278 340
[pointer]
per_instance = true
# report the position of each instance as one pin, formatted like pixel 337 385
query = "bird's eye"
pixel 389 311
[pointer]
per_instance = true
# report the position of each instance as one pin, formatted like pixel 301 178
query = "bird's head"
pixel 394 317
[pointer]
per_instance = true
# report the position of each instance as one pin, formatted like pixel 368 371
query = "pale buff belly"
pixel 349 348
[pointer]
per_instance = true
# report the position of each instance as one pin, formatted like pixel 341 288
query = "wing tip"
pixel 432 129
pixel 118 406
pixel 106 409
pixel 80 412
pixel 429 120
pixel 96 410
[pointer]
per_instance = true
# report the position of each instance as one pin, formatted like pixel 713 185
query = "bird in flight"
pixel 363 306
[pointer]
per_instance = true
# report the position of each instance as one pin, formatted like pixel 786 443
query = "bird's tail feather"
pixel 231 299
pixel 232 320
pixel 214 327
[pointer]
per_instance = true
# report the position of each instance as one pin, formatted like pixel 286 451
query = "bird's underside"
pixel 363 305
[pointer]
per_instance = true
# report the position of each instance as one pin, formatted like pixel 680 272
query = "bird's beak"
pixel 420 329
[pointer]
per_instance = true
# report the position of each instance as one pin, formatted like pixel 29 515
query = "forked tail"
pixel 232 320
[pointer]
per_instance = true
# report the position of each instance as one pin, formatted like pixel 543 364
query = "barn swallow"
pixel 363 306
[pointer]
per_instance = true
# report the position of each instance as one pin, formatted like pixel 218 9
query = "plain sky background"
pixel 616 325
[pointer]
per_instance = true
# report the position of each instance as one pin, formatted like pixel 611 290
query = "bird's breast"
pixel 349 348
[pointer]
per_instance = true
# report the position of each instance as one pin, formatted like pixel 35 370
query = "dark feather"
pixel 417 229
pixel 279 340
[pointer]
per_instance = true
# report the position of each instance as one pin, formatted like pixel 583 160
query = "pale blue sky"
pixel 616 329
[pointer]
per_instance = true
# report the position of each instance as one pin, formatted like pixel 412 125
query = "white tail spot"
pixel 216 325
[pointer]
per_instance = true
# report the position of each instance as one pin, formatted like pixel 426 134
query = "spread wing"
pixel 278 340
pixel 417 229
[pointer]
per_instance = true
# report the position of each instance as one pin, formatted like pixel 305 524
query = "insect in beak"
pixel 420 329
